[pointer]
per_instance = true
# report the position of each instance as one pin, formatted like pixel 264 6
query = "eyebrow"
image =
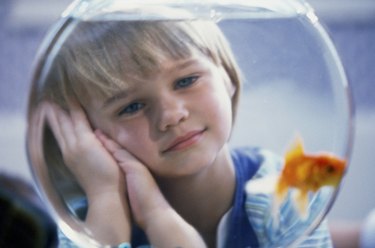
pixel 183 64
pixel 121 95
pixel 125 92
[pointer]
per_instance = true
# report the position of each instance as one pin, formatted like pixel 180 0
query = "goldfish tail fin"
pixel 278 198
pixel 281 190
pixel 301 202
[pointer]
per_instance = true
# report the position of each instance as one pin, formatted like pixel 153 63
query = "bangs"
pixel 99 58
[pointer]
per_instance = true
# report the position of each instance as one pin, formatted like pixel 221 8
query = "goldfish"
pixel 307 173
pixel 302 172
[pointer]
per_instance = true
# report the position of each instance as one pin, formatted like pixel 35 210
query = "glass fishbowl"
pixel 289 84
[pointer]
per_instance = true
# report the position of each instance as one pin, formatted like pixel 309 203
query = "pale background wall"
pixel 351 24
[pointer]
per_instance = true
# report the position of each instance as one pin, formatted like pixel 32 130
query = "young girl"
pixel 140 113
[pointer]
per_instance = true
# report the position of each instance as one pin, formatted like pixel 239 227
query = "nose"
pixel 172 112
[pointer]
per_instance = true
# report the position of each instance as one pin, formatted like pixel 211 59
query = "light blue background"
pixel 351 24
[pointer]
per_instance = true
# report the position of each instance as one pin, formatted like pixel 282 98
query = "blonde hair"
pixel 98 58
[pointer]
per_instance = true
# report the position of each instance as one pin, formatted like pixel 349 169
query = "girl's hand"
pixel 97 172
pixel 143 192
pixel 84 155
pixel 151 211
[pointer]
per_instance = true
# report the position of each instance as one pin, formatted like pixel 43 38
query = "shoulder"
pixel 271 164
pixel 263 161
pixel 259 209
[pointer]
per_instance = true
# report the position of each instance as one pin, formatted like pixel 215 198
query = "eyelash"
pixel 191 79
pixel 129 109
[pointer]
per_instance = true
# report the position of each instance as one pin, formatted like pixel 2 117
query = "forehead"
pixel 99 58
pixel 113 53
pixel 169 70
pixel 141 44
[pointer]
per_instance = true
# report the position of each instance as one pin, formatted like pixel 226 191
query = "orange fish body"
pixel 307 173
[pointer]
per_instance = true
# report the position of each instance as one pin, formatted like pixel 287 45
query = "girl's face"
pixel 175 122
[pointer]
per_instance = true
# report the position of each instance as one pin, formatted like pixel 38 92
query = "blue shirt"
pixel 249 223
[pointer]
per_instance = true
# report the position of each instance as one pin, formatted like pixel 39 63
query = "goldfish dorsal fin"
pixel 296 149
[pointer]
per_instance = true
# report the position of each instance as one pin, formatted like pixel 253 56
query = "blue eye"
pixel 186 82
pixel 131 108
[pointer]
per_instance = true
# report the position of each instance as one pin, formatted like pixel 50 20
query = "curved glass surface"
pixel 293 83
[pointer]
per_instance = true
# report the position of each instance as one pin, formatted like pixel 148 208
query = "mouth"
pixel 185 141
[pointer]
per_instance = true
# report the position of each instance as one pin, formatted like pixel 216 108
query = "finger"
pixel 125 159
pixel 130 164
pixel 121 155
pixel 143 191
pixel 65 123
pixel 79 118
pixel 37 116
pixel 108 143
pixel 54 123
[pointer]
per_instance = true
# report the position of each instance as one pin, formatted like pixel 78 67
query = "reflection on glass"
pixel 119 88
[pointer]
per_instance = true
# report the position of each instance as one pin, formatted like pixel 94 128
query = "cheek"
pixel 221 103
pixel 126 136
pixel 134 139
pixel 218 111
pixel 133 136
pixel 225 116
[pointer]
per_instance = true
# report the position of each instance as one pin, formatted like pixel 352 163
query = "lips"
pixel 185 141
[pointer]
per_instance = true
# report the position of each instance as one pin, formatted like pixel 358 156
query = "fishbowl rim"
pixel 303 10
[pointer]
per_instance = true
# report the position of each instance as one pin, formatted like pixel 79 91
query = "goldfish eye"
pixel 330 169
